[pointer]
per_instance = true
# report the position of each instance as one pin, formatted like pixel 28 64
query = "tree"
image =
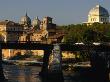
pixel 82 33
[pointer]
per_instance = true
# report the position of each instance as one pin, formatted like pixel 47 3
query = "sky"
pixel 63 12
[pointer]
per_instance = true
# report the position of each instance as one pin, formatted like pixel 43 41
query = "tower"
pixel 25 21
pixel 36 23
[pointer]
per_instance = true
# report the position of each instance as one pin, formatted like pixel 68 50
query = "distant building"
pixel 39 30
pixel 25 21
pixel 10 31
pixel 98 14
pixel 36 23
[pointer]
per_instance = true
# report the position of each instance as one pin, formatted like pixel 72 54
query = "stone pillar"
pixel 56 60
pixel 99 66
pixel 44 70
pixel 55 65
pixel 2 77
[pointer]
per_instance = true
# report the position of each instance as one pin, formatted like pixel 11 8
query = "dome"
pixel 99 11
pixel 36 22
pixel 25 20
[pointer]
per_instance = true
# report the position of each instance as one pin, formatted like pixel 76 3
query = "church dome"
pixel 36 22
pixel 98 11
pixel 25 20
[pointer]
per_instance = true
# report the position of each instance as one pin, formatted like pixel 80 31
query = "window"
pixel 105 19
pixel 102 19
pixel 91 19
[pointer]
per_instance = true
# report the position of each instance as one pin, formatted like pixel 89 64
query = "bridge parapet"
pixel 64 46
pixel 24 42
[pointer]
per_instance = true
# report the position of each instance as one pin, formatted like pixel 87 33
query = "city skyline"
pixel 62 12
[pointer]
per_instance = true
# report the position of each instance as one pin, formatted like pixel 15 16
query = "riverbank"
pixel 22 62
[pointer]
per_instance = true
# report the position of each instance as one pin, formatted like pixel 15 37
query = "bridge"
pixel 98 63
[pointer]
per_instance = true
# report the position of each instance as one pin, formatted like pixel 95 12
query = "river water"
pixel 17 73
pixel 22 73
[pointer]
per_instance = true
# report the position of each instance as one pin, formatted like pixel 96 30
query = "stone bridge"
pixel 98 62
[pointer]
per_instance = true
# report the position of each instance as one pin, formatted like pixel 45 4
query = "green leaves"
pixel 83 33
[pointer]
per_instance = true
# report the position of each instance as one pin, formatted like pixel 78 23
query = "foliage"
pixel 86 33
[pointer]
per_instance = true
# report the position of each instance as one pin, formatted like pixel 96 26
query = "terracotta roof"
pixel 4 22
pixel 8 22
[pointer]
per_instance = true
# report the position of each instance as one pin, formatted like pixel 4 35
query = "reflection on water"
pixel 30 74
pixel 22 73
pixel 27 74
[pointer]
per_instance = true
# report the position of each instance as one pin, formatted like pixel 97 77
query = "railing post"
pixel 2 77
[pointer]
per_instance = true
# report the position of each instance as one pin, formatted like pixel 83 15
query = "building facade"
pixel 39 30
pixel 98 14
pixel 10 31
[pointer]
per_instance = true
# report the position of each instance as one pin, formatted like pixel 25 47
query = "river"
pixel 17 73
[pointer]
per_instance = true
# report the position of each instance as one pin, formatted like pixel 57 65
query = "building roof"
pixel 36 21
pixel 99 11
pixel 25 19
pixel 9 23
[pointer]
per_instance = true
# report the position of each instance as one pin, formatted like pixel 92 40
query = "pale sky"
pixel 62 11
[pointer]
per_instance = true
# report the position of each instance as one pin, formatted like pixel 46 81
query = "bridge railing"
pixel 71 43
pixel 87 43
pixel 22 42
